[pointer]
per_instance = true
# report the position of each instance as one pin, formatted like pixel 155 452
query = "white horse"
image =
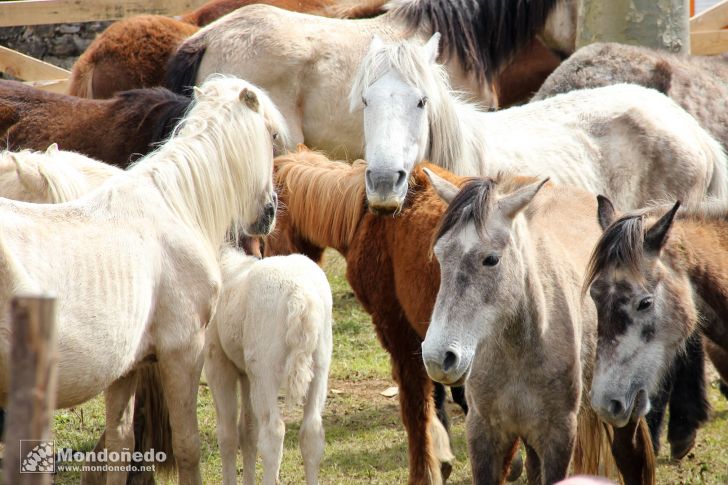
pixel 307 62
pixel 50 177
pixel 629 142
pixel 134 262
pixel 272 328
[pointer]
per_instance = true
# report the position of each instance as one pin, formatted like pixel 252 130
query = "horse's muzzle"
pixel 386 190
pixel 266 222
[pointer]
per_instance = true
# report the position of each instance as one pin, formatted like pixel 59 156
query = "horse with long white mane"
pixel 147 280
pixel 629 142
pixel 272 329
pixel 307 62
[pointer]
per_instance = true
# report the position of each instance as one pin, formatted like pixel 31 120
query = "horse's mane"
pixel 309 184
pixel 210 169
pixel 445 109
pixel 162 111
pixel 474 201
pixel 622 242
pixel 483 34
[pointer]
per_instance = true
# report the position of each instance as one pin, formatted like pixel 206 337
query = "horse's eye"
pixel 364 102
pixel 644 304
pixel 491 260
pixel 275 136
pixel 423 102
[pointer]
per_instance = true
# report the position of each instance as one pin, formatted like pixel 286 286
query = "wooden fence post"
pixel 660 24
pixel 32 389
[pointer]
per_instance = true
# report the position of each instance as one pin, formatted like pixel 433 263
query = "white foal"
pixel 272 329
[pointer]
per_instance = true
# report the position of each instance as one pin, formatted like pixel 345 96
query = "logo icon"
pixel 37 456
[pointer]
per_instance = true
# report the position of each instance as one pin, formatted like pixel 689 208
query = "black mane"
pixel 483 34
pixel 470 204
pixel 160 110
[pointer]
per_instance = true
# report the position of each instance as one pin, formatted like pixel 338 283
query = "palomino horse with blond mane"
pixel 509 321
pixel 153 281
pixel 307 63
pixel 632 143
pixel 656 275
pixel 393 275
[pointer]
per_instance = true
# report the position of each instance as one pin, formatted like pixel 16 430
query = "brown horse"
pixel 132 53
pixel 525 74
pixel 697 84
pixel 656 275
pixel 323 205
pixel 113 130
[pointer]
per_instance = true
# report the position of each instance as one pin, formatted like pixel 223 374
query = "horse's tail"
pixel 593 450
pixel 82 78
pixel 183 66
pixel 306 318
pixel 151 418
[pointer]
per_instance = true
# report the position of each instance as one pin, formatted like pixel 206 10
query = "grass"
pixel 365 441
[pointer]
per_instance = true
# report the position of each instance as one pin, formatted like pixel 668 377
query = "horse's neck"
pixel 461 145
pixel 703 249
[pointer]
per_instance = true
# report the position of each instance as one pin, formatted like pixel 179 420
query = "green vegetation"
pixel 365 441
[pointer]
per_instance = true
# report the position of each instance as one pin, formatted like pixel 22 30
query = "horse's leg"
pixel 489 451
pixel 311 435
pixel 458 396
pixel 688 403
pixel 119 397
pixel 439 396
pixel 719 358
pixel 415 401
pixel 658 403
pixel 271 430
pixel 222 378
pixel 631 451
pixel 247 432
pixel 180 371
pixel 555 447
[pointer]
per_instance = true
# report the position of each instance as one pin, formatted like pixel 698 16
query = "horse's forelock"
pixel 471 204
pixel 621 245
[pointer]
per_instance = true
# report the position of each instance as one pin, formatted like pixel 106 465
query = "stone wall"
pixel 58 44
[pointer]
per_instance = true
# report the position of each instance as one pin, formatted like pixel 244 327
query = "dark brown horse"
pixel 114 131
pixel 132 53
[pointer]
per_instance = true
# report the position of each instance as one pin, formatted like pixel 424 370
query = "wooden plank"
pixel 714 18
pixel 35 12
pixel 28 68
pixel 32 397
pixel 53 85
pixel 709 43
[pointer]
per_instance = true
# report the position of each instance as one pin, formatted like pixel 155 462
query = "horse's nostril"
pixel 450 361
pixel 615 407
pixel 401 177
pixel 270 210
pixel 368 178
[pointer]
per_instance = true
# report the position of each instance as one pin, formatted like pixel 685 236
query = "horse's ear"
pixel 656 236
pixel 513 203
pixel 29 175
pixel 197 91
pixel 249 97
pixel 443 188
pixel 377 43
pixel 605 212
pixel 52 148
pixel 432 47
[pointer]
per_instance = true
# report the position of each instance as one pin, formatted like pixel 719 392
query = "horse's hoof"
pixel 516 468
pixel 445 470
pixel 723 389
pixel 682 447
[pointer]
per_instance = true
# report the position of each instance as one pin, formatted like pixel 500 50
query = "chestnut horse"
pixel 390 270
pixel 656 275
pixel 132 53
pixel 113 130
